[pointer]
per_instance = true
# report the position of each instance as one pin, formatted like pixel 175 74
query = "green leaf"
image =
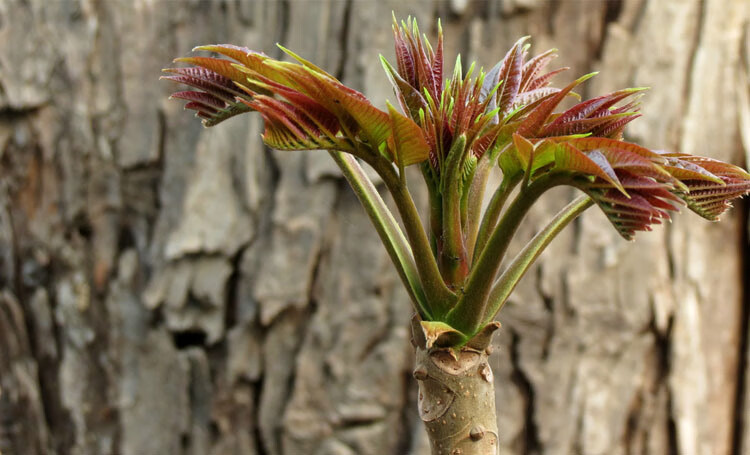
pixel 310 65
pixel 544 155
pixel 483 338
pixel 510 163
pixel 452 167
pixel 524 150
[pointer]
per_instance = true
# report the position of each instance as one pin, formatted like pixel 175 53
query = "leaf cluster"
pixel 457 129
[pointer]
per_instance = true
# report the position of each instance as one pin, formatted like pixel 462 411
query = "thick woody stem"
pixel 457 398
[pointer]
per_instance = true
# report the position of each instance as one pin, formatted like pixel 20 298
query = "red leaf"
pixel 200 98
pixel 536 118
pixel 594 107
pixel 437 62
pixel 533 66
pixel 217 65
pixel 543 81
pixel 510 74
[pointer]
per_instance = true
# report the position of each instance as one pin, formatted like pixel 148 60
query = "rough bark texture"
pixel 166 289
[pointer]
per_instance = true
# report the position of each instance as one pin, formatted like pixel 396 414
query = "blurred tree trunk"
pixel 166 289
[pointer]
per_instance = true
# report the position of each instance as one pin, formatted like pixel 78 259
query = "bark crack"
pixel 549 306
pixel 640 14
pixel 663 352
pixel 530 442
pixel 631 424
pixel 233 287
pixel 283 28
pixel 551 15
pixel 344 41
pixel 741 440
pixel 408 418
pixel 738 444
pixel 612 12
pixel 690 69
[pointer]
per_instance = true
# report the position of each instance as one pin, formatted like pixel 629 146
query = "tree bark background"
pixel 169 289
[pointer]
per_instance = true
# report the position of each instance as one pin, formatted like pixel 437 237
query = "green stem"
pixel 489 221
pixel 523 261
pixel 439 298
pixel 386 226
pixel 452 258
pixel 468 313
pixel 474 203
pixel 435 207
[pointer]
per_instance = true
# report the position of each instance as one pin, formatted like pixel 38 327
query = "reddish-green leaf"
pixel 592 143
pixel 241 54
pixel 532 68
pixel 510 74
pixel 543 81
pixel 205 80
pixel 594 107
pixel 350 106
pixel 628 214
pixel 409 98
pixel 409 145
pixel 717 167
pixel 685 170
pixel 709 199
pixel 569 158
pixel 202 98
pixel 289 128
pixel 217 65
pixel 537 118
pixel 524 150
pixel 579 126
pixel 527 98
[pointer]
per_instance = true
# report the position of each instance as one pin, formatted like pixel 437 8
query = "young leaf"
pixel 409 98
pixel 409 144
pixel 569 158
pixel 511 74
pixel 217 65
pixel 536 118
pixel 532 68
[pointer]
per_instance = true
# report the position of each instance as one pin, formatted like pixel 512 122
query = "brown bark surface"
pixel 169 289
